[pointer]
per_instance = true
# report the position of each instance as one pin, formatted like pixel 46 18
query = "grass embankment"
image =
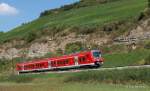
pixel 125 80
pixel 73 87
pixel 90 16
pixel 132 58
pixel 124 76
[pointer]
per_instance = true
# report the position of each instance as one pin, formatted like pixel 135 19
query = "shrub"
pixel 30 37
pixel 16 78
pixel 114 49
pixel 147 60
pixel 4 65
pixel 86 30
pixel 147 46
pixel 59 52
pixel 73 47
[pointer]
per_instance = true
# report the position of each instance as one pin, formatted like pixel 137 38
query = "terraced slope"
pixel 97 15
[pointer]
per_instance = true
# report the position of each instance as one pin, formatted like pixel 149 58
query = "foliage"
pixel 114 49
pixel 9 65
pixel 73 47
pixel 4 65
pixel 30 37
pixel 147 60
pixel 148 3
pixel 147 46
pixel 59 52
pixel 16 78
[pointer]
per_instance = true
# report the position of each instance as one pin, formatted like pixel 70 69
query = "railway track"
pixel 98 69
pixel 102 69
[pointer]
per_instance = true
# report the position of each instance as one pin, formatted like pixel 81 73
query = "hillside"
pixel 82 25
pixel 90 16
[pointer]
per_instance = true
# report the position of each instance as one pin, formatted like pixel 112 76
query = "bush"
pixel 4 65
pixel 114 49
pixel 20 79
pixel 30 37
pixel 147 46
pixel 147 60
pixel 16 78
pixel 73 47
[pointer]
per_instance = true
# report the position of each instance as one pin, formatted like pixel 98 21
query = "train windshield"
pixel 96 54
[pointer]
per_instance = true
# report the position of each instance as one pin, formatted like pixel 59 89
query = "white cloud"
pixel 6 9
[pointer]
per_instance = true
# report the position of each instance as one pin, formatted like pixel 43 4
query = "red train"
pixel 87 58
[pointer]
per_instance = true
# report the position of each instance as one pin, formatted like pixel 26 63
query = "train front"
pixel 97 57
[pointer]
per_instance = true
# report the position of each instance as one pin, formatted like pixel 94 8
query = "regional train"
pixel 92 58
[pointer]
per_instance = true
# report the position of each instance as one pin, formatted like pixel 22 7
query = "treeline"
pixel 82 3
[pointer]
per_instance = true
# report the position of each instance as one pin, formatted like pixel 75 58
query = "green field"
pixel 89 16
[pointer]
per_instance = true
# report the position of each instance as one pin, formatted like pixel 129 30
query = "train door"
pixel 76 60
pixel 49 65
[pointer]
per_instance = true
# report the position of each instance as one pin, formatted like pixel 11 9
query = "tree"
pixel 148 3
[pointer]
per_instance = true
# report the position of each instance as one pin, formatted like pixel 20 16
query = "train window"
pixel 19 67
pixel 87 56
pixel 37 65
pixel 54 63
pixel 58 62
pixel 82 59
pixel 66 61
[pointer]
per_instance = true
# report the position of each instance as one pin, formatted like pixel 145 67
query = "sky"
pixel 15 12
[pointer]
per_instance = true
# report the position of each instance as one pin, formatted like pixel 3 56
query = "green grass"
pixel 72 87
pixel 97 15
pixel 124 76
pixel 125 59
pixel 55 82
pixel 91 80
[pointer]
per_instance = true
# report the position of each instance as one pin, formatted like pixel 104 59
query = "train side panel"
pixel 68 61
